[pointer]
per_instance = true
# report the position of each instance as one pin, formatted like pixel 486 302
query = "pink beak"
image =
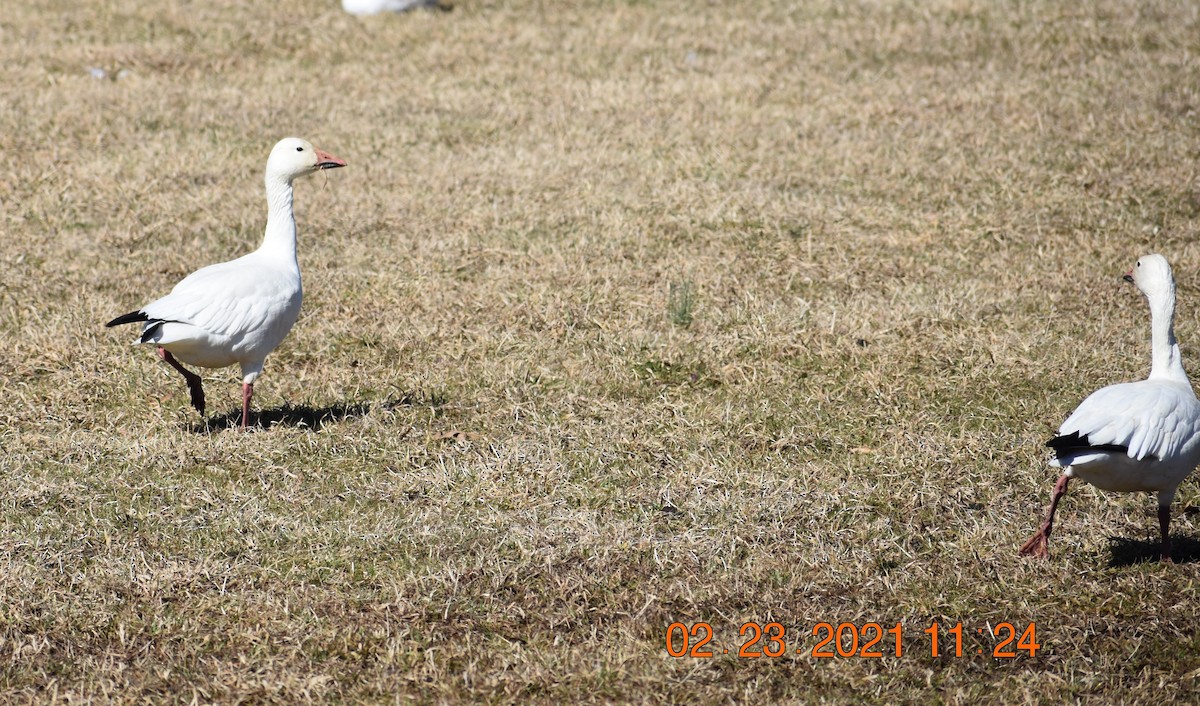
pixel 1128 276
pixel 328 161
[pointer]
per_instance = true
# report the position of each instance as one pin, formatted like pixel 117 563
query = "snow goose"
pixel 1136 436
pixel 362 8
pixel 238 311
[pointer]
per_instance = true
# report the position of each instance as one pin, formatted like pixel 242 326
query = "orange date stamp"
pixel 844 640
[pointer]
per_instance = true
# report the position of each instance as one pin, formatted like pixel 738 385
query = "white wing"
pixel 230 299
pixel 1152 418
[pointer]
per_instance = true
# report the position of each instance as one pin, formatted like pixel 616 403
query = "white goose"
pixel 362 8
pixel 1136 436
pixel 238 311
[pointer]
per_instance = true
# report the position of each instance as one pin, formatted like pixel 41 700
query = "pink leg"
pixel 1039 544
pixel 194 382
pixel 247 393
pixel 1164 522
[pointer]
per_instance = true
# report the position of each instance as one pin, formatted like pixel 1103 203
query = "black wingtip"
pixel 150 330
pixel 130 318
pixel 1073 442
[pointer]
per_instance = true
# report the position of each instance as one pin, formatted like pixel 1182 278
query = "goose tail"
pixel 130 318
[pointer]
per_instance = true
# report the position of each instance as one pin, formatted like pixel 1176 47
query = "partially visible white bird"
pixel 1135 436
pixel 363 8
pixel 238 311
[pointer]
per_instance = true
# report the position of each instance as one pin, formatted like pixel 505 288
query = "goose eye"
pixel 301 149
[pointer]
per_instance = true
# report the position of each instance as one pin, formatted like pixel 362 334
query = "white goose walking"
pixel 238 311
pixel 1136 436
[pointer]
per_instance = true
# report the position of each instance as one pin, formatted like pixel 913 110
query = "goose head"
pixel 1153 277
pixel 292 157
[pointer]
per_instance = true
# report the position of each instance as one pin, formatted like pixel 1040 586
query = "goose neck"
pixel 280 238
pixel 1166 362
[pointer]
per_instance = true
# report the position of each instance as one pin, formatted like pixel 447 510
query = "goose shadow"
pixel 305 416
pixel 1127 552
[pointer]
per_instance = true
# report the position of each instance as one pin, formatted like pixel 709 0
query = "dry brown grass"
pixel 494 462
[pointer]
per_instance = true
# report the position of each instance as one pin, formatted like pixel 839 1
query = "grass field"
pixel 622 314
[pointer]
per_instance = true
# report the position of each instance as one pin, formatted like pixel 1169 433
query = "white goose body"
pixel 1134 436
pixel 238 311
pixel 1156 421
pixel 374 7
pixel 232 312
